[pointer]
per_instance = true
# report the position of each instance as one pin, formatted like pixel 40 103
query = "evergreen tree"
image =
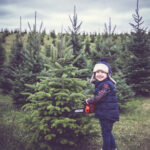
pixel 51 123
pixel 109 47
pixel 29 70
pixel 76 41
pixel 92 36
pixel 108 29
pixel 24 66
pixel 35 62
pixel 17 53
pixel 124 91
pixel 138 68
pixel 75 33
pixel 2 55
pixel 87 47
pixel 53 34
pixel 61 49
pixel 15 62
pixel 16 74
pixel 2 61
pixel 47 50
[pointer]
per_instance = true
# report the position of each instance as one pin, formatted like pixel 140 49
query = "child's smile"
pixel 100 75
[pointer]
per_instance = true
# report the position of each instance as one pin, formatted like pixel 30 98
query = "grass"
pixel 132 132
pixel 11 127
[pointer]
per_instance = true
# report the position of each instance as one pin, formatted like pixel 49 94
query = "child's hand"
pixel 87 101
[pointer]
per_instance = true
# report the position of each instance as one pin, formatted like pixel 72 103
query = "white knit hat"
pixel 102 67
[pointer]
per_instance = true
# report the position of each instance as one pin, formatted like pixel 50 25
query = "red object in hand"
pixel 89 108
pixel 92 108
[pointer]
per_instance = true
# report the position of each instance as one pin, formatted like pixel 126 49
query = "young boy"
pixel 105 100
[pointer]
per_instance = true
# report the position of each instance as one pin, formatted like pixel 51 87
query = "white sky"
pixel 55 14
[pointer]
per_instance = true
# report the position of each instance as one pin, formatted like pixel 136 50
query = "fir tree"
pixel 76 41
pixel 17 53
pixel 2 55
pixel 51 123
pixel 52 34
pixel 2 61
pixel 28 71
pixel 108 29
pixel 24 66
pixel 138 69
pixel 47 50
pixel 34 48
pixel 61 49
pixel 15 62
pixel 75 33
pixel 92 38
pixel 108 47
pixel 87 47
pixel 124 91
pixel 16 73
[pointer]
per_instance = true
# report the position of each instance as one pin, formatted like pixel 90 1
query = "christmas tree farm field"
pixel 132 132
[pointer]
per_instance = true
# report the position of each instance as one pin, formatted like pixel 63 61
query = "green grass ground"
pixel 132 132
pixel 11 126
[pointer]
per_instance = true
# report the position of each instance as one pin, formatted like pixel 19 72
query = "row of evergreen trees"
pixel 49 79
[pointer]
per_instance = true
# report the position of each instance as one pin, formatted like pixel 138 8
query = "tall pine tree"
pixel 76 41
pixel 16 61
pixel 138 68
pixel 24 66
pixel 2 55
pixel 2 60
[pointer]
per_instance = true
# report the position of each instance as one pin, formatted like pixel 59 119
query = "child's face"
pixel 101 75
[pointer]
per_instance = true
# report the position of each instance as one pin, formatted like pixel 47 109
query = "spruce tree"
pixel 24 66
pixel 87 47
pixel 16 61
pixel 16 74
pixel 138 68
pixel 2 61
pixel 2 55
pixel 47 50
pixel 75 33
pixel 35 61
pixel 108 47
pixel 108 29
pixel 17 53
pixel 53 34
pixel 76 41
pixel 61 49
pixel 51 122
pixel 27 72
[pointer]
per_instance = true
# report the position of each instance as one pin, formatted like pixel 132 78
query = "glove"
pixel 86 101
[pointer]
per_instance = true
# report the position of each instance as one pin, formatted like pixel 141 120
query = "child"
pixel 105 100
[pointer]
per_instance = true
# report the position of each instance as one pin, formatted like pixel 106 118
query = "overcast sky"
pixel 55 14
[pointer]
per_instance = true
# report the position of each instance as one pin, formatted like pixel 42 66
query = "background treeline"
pixel 47 76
